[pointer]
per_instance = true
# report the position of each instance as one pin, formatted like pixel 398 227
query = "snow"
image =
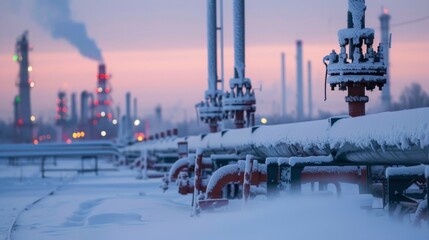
pixel 271 160
pixel 357 8
pixel 400 129
pixel 310 160
pixel 406 171
pixel 427 172
pixel 114 205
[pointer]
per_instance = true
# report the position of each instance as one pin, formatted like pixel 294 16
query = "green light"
pixel 17 99
pixel 15 58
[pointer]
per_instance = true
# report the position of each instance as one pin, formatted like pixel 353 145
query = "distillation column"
pixel 23 101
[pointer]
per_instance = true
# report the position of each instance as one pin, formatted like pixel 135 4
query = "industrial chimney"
pixel 22 101
pixel 283 77
pixel 103 106
pixel 241 98
pixel 385 93
pixel 310 94
pixel 299 82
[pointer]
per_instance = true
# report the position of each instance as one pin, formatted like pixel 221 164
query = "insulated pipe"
pixel 385 94
pixel 239 39
pixel 177 167
pixel 198 170
pixel 212 47
pixel 234 174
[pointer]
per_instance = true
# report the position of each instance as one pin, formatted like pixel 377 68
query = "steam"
pixel 55 16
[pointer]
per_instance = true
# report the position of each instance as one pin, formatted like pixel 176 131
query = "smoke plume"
pixel 55 16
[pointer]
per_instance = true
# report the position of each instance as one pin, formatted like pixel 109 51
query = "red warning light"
pixel 20 122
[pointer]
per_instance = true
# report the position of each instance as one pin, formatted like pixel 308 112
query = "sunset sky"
pixel 156 49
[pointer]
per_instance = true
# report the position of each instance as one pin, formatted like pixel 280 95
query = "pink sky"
pixel 173 72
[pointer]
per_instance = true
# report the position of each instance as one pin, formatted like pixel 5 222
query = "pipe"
pixel 212 47
pixel 239 39
pixel 299 82
pixel 247 177
pixel 178 166
pixel 235 174
pixel 385 94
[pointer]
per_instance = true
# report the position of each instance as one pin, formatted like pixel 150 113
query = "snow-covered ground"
pixel 115 205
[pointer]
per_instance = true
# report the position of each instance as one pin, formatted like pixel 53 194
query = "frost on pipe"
pixel 390 137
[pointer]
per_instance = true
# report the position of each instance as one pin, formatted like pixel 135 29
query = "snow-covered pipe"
pixel 385 94
pixel 239 39
pixel 212 46
pixel 247 177
pixel 198 170
pixel 177 167
pixel 224 175
pixel 384 138
pixel 234 174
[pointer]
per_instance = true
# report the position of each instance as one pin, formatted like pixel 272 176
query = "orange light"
pixel 35 141
pixel 68 141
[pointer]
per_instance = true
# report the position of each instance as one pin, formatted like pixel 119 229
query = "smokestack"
pixel 73 119
pixel 56 17
pixel 128 123
pixel 24 103
pixel 310 94
pixel 299 82
pixel 84 109
pixel 283 67
pixel 385 94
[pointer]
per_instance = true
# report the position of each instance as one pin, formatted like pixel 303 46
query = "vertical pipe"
pixel 310 96
pixel 212 47
pixel 198 178
pixel 299 83
pixel 385 94
pixel 247 177
pixel 239 39
pixel 283 76
pixel 127 127
pixel 222 47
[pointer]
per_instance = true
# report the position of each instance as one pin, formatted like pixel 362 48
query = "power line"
pixel 409 22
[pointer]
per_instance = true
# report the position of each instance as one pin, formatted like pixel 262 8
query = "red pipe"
pixel 233 174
